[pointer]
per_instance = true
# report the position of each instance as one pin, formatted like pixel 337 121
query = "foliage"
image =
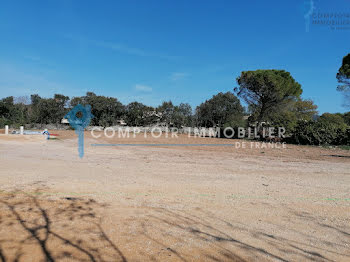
pixel 182 115
pixel 304 109
pixel 223 109
pixel 346 117
pixel 329 129
pixel 299 110
pixel 48 110
pixel 345 147
pixel 267 92
pixel 11 112
pixel 138 114
pixel 106 110
pixel 6 106
pixel 343 77
pixel 177 116
pixel 166 110
pixel 334 119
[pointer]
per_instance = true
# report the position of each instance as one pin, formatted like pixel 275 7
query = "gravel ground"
pixel 171 203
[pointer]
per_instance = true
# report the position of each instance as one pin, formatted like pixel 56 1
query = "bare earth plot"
pixel 171 203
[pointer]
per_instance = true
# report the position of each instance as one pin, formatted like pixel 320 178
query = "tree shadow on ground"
pixel 215 239
pixel 39 229
pixel 213 244
pixel 36 228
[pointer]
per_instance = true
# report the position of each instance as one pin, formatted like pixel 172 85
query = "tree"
pixel 343 77
pixel 166 110
pixel 182 115
pixel 6 107
pixel 20 111
pixel 334 119
pixel 46 111
pixel 299 110
pixel 267 91
pixel 305 109
pixel 34 108
pixel 55 110
pixel 346 117
pixel 138 114
pixel 61 104
pixel 223 109
pixel 76 101
pixel 134 113
pixel 106 110
pixel 177 116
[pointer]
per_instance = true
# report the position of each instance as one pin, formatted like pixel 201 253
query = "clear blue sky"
pixel 153 51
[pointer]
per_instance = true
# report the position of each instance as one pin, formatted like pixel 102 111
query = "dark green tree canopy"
pixel 266 91
pixel 300 110
pixel 166 109
pixel 346 117
pixel 138 114
pixel 343 77
pixel 173 115
pixel 305 110
pixel 328 129
pixel 106 110
pixel 6 105
pixel 222 109
pixel 13 111
pixel 343 74
pixel 182 115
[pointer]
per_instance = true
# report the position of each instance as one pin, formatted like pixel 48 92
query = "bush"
pixel 345 138
pixel 346 118
pixel 4 122
pixel 325 131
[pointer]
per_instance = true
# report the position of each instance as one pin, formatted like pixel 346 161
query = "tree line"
pixel 273 99
pixel 107 111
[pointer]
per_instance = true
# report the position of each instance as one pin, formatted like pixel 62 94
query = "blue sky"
pixel 152 51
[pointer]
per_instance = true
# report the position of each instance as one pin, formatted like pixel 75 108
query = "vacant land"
pixel 171 203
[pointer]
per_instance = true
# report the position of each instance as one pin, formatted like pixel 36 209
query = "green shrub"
pixel 346 118
pixel 345 147
pixel 4 122
pixel 324 131
pixel 344 139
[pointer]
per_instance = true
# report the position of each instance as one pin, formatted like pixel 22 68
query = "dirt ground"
pixel 171 203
